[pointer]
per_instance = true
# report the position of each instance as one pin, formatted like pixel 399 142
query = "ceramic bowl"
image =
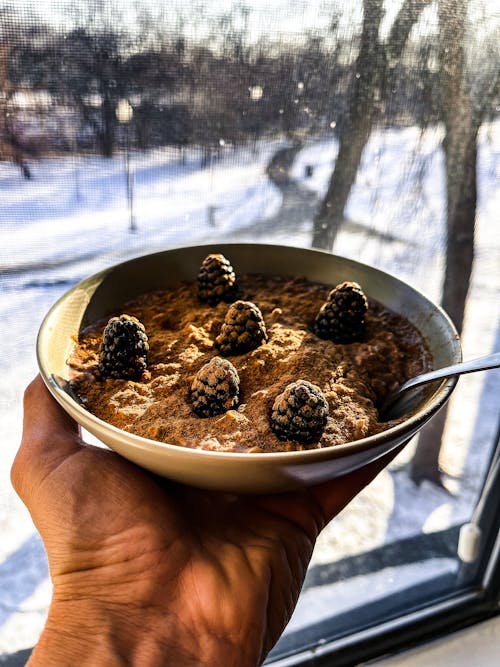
pixel 103 293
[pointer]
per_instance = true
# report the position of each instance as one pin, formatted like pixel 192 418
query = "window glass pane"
pixel 369 129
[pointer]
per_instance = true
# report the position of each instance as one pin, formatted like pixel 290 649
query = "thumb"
pixel 49 437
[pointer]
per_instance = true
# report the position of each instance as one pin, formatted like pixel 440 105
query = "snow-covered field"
pixel 72 219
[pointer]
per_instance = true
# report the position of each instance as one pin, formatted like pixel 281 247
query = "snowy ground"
pixel 72 219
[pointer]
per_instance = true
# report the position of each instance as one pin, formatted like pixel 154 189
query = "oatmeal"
pixel 182 334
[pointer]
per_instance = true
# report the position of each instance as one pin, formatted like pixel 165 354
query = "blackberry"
pixel 124 348
pixel 243 329
pixel 215 388
pixel 216 280
pixel 342 317
pixel 299 413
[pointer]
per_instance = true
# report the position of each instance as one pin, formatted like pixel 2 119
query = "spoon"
pixel 394 406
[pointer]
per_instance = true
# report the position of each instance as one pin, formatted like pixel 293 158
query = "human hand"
pixel 150 572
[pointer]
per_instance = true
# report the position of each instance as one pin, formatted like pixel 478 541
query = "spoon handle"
pixel 479 364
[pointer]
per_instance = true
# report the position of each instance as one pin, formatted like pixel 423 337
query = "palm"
pixel 218 558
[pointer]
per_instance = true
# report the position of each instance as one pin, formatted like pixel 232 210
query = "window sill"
pixel 476 645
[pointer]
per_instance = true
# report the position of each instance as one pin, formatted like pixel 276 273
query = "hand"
pixel 150 572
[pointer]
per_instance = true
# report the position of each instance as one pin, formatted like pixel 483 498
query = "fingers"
pixel 49 436
pixel 334 495
pixel 312 508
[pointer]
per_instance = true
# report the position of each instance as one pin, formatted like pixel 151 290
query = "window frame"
pixel 475 602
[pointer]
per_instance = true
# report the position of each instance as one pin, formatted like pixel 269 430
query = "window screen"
pixel 369 129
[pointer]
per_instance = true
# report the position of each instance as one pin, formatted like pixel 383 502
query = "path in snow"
pixel 298 207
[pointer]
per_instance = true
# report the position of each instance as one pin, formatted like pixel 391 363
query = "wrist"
pixel 85 633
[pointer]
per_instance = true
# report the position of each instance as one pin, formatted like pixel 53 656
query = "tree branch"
pixel 408 15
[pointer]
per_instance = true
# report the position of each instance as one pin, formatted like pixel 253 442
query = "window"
pixel 368 128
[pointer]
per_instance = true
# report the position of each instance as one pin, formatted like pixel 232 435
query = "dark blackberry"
pixel 216 280
pixel 342 317
pixel 215 388
pixel 243 329
pixel 299 413
pixel 124 348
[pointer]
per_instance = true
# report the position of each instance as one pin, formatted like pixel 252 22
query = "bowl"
pixel 102 294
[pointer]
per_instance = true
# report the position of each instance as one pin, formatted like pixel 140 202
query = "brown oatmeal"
pixel 354 377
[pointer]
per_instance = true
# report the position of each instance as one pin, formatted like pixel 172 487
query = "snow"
pixel 77 207
pixel 72 219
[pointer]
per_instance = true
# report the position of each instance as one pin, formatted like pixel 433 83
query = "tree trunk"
pixel 108 127
pixel 460 146
pixel 462 199
pixel 371 70
pixel 331 213
pixel 459 261
pixel 369 66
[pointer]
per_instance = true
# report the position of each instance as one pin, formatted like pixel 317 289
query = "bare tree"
pixel 94 54
pixel 465 100
pixel 11 143
pixel 373 63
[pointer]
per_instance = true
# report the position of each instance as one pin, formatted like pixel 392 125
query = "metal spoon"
pixel 394 407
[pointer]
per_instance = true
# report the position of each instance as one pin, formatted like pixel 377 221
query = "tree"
pixel 82 68
pixel 90 62
pixel 12 146
pixel 372 66
pixel 94 80
pixel 463 109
